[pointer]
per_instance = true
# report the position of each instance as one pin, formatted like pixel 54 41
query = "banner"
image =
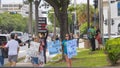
pixel 54 47
pixel 71 48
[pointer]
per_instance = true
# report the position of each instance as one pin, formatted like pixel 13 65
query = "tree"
pixel 82 13
pixel 51 18
pixel 37 2
pixel 10 22
pixel 30 17
pixel 60 9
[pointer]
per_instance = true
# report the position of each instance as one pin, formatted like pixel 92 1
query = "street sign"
pixel 42 23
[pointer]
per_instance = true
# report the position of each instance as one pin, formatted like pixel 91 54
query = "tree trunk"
pixel 30 18
pixel 62 17
pixel 60 9
pixel 36 17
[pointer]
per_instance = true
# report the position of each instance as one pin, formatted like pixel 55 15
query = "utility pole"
pixel 109 19
pixel 88 13
pixel 95 15
pixel 75 22
pixel 100 3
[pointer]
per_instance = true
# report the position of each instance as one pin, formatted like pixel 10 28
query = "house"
pixel 114 7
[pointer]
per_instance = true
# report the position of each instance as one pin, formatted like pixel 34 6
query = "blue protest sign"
pixel 71 48
pixel 54 47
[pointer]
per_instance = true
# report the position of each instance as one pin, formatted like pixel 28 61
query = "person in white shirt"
pixel 13 48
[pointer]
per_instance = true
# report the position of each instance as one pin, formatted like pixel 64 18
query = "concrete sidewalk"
pixel 24 64
pixel 29 64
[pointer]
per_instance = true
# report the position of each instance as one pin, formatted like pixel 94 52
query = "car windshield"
pixel 19 34
pixel 3 38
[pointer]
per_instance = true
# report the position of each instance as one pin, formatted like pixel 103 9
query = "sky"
pixel 83 1
pixel 20 1
pixel 11 1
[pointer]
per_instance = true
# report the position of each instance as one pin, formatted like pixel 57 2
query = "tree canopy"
pixel 10 22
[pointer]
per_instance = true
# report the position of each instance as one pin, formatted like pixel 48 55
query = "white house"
pixel 11 5
pixel 115 16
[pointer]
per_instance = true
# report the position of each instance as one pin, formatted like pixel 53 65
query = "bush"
pixel 113 50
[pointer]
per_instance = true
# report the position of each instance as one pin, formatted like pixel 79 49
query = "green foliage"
pixel 50 28
pixel 82 13
pixel 83 28
pixel 51 18
pixel 10 22
pixel 113 50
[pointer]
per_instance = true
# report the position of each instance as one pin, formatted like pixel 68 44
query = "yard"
pixel 84 58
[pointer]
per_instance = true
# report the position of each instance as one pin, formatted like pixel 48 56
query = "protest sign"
pixel 71 48
pixel 54 47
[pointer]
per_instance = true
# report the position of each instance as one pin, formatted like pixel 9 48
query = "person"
pixel 13 49
pixel 57 38
pixel 17 39
pixel 71 36
pixel 1 55
pixel 98 37
pixel 77 37
pixel 34 46
pixel 68 60
pixel 43 36
pixel 91 37
pixel 41 51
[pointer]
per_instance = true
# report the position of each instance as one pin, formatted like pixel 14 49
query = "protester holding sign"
pixel 68 60
pixel 34 46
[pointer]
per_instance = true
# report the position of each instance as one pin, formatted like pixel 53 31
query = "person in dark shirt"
pixel 17 39
pixel 1 54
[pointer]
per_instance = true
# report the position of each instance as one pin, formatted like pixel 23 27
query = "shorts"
pixel 34 60
pixel 12 58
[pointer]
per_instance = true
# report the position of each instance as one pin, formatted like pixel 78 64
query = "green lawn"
pixel 84 58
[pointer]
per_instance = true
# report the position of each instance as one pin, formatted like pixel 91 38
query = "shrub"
pixel 112 48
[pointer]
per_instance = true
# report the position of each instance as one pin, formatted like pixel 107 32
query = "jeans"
pixel 1 61
pixel 92 41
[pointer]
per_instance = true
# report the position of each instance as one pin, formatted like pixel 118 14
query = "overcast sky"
pixel 11 1
pixel 83 1
pixel 20 1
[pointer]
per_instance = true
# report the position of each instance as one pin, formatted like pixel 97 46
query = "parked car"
pixel 5 38
pixel 19 33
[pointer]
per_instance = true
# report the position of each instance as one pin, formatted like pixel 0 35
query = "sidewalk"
pixel 24 64
pixel 29 64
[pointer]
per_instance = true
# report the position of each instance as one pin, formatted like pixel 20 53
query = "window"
pixel 5 5
pixel 119 28
pixel 118 6
pixel 3 38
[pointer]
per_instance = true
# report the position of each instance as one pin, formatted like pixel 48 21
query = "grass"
pixel 84 58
